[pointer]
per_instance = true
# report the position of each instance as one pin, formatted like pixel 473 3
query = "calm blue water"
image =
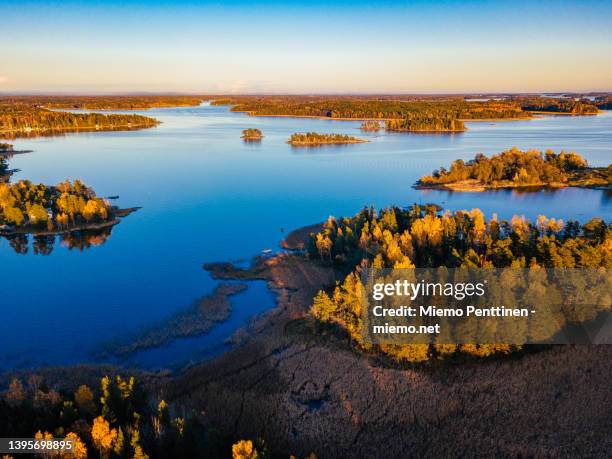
pixel 207 196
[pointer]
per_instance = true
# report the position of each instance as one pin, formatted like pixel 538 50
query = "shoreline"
pixel 542 112
pixel 118 214
pixel 108 109
pixel 427 131
pixel 536 114
pixel 481 187
pixel 496 120
pixel 318 144
pixel 251 113
pixel 42 131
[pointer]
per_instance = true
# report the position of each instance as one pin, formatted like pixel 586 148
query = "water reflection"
pixel 44 244
pixel 251 141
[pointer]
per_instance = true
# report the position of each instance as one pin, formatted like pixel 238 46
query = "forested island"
pixel 315 139
pixel 21 119
pixel 421 123
pixel 424 237
pixel 26 208
pixel 252 134
pixel 427 114
pixel 375 108
pixel 104 102
pixel 519 169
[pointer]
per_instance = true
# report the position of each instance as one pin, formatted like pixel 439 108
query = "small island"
pixel 518 169
pixel 251 134
pixel 26 208
pixel 370 126
pixel 315 139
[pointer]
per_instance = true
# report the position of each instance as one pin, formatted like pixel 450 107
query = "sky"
pixel 305 47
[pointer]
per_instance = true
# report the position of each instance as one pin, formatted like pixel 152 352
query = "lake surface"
pixel 208 196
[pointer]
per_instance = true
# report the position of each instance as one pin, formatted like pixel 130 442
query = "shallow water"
pixel 207 196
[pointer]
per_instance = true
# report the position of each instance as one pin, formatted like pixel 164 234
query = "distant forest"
pixel 379 109
pixel 424 113
pixel 103 102
pixel 557 105
pixel 604 102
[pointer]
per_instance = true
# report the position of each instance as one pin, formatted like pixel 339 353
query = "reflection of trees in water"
pixel 82 240
pixel 19 243
pixel 43 245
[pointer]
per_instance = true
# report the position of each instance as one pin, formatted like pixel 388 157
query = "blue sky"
pixel 305 47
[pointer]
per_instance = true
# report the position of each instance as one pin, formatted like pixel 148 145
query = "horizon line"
pixel 290 94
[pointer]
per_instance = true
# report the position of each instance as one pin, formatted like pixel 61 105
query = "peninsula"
pixel 27 120
pixel 26 208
